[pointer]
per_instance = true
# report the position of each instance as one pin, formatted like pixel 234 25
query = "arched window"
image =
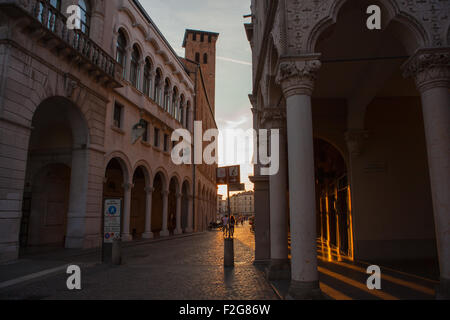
pixel 147 77
pixel 55 5
pixel 158 84
pixel 187 124
pixel 197 57
pixel 205 58
pixel 121 53
pixel 167 95
pixel 174 109
pixel 135 73
pixel 181 116
pixel 85 16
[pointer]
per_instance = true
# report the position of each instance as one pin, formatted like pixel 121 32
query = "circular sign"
pixel 107 236
pixel 112 210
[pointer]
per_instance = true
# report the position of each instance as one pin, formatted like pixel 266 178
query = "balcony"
pixel 47 25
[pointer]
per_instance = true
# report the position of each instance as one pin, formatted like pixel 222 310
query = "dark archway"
pixel 55 174
pixel 157 202
pixel 185 206
pixel 334 222
pixel 138 204
pixel 172 205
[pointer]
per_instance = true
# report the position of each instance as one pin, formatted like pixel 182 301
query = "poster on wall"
pixel 113 211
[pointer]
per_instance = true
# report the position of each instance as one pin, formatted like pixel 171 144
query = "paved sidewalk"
pixel 342 279
pixel 181 268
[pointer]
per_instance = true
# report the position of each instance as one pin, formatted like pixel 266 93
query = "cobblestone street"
pixel 184 268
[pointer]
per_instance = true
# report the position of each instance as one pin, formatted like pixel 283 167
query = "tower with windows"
pixel 200 47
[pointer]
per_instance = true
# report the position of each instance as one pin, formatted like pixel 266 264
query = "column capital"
pixel 149 189
pixel 355 139
pixel 429 67
pixel 127 186
pixel 297 75
pixel 165 193
pixel 275 117
pixel 179 195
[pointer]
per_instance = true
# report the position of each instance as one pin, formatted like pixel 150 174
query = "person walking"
pixel 232 223
pixel 225 225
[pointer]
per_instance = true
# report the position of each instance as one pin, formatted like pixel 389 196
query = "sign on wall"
pixel 113 211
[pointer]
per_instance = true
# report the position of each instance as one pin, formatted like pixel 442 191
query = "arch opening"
pixel 56 167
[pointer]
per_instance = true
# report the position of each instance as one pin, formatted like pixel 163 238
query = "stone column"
pixel 148 234
pixel 165 231
pixel 297 77
pixel 126 236
pixel 76 216
pixel 190 215
pixel 178 229
pixel 279 262
pixel 262 220
pixel 431 69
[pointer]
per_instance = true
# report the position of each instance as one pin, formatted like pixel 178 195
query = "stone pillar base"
pixel 177 232
pixel 261 263
pixel 189 230
pixel 164 233
pixel 148 235
pixel 443 289
pixel 126 237
pixel 279 270
pixel 304 291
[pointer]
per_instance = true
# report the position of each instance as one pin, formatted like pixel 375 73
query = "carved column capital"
pixel 149 190
pixel 355 141
pixel 274 117
pixel 127 186
pixel 430 68
pixel 298 75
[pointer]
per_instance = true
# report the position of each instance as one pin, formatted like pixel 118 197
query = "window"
pixel 205 58
pixel 187 124
pixel 197 57
pixel 156 138
pixel 147 77
pixel 181 115
pixel 202 37
pixel 118 111
pixel 194 37
pixel 166 143
pixel 167 95
pixel 51 18
pixel 134 69
pixel 174 111
pixel 121 45
pixel 157 94
pixel 145 135
pixel 85 16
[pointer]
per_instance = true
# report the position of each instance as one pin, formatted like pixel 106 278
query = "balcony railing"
pixel 47 23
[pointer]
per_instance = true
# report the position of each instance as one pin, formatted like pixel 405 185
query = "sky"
pixel 233 66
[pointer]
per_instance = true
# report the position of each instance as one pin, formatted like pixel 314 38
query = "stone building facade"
pixel 242 204
pixel 88 115
pixel 364 117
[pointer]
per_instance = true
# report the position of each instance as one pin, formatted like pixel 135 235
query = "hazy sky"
pixel 233 74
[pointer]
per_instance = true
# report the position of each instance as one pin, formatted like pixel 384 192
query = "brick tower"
pixel 200 46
